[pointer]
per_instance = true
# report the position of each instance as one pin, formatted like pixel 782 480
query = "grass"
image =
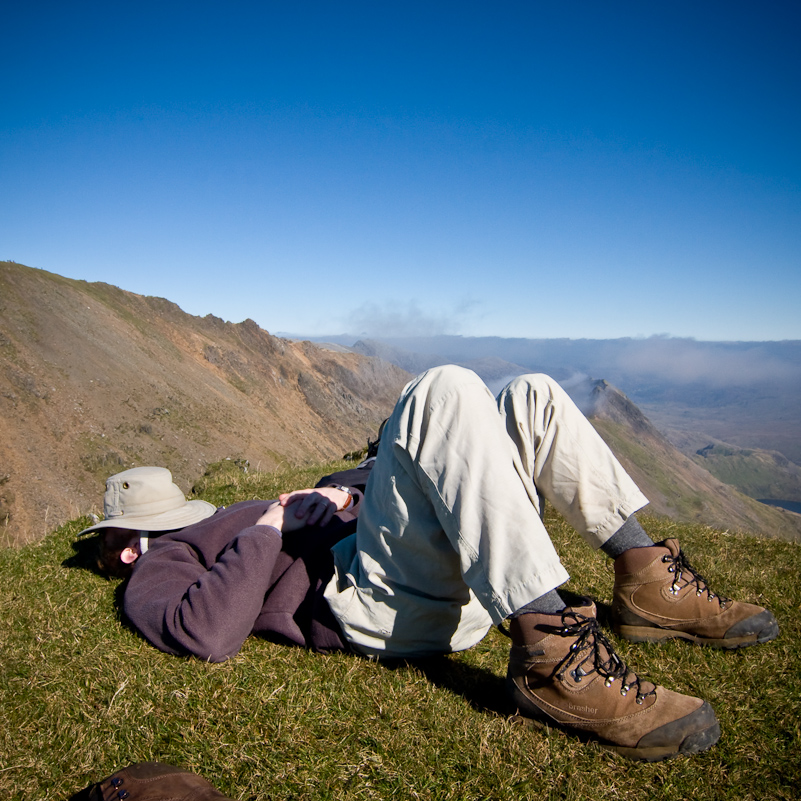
pixel 82 694
pixel 759 474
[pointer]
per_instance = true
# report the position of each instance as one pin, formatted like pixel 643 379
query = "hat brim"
pixel 191 512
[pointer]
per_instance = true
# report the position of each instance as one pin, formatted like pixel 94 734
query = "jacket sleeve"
pixel 182 607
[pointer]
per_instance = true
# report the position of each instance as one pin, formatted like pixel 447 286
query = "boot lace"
pixel 592 652
pixel 679 566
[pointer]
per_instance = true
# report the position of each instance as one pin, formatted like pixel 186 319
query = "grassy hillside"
pixel 758 473
pixel 676 486
pixel 81 694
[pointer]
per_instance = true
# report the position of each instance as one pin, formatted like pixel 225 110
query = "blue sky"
pixel 573 169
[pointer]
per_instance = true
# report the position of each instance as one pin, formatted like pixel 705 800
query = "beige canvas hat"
pixel 146 499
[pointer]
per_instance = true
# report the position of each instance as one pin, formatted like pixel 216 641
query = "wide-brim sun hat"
pixel 146 499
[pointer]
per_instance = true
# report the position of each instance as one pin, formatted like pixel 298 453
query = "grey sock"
pixel 548 604
pixel 630 535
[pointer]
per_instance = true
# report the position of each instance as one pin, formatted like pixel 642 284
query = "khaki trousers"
pixel 450 537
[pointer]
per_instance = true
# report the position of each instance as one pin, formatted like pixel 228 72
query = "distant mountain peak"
pixel 609 403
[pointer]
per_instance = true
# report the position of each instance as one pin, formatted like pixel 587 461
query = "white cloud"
pixel 405 319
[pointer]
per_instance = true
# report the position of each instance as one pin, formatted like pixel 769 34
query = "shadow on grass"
pixel 84 556
pixel 482 689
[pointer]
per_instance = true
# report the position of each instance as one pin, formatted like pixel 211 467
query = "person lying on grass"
pixel 444 540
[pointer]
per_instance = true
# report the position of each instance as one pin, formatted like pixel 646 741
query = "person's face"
pixel 119 549
pixel 125 538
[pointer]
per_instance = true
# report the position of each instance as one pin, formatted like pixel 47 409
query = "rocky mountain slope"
pixel 676 485
pixel 94 379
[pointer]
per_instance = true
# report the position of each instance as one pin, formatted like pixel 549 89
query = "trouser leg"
pixel 450 505
pixel 449 537
pixel 567 460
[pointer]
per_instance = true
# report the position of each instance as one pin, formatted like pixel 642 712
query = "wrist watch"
pixel 344 489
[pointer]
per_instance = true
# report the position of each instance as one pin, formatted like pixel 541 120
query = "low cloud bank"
pixel 621 361
pixel 712 363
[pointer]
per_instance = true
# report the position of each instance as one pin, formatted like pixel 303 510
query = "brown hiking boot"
pixel 563 672
pixel 658 596
pixel 151 781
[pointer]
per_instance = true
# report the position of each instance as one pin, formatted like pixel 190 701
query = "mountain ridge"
pixel 94 379
pixel 743 393
pixel 676 486
pixel 676 483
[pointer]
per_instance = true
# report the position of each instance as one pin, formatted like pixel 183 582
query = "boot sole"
pixel 695 743
pixel 530 714
pixel 652 634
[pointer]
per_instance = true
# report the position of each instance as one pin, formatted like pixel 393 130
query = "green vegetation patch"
pixel 82 694
pixel 759 474
pixel 100 456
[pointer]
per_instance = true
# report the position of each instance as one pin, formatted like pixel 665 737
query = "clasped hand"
pixel 307 507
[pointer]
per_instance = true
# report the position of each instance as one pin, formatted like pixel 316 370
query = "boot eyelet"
pixel 639 699
pixel 609 682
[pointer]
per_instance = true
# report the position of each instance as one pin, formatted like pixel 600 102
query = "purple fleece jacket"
pixel 204 589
